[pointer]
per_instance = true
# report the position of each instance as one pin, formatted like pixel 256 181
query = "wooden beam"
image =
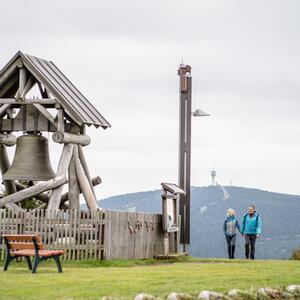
pixel 17 209
pixel 44 101
pixel 45 113
pixel 34 190
pixel 4 108
pixel 28 86
pixel 65 138
pixel 8 72
pixel 85 187
pixel 8 139
pixel 42 197
pixel 42 206
pixel 6 86
pixel 62 169
pixel 43 92
pixel 65 197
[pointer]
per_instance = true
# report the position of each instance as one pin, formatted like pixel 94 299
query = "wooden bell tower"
pixel 59 109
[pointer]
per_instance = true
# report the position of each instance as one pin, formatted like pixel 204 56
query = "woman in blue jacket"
pixel 230 225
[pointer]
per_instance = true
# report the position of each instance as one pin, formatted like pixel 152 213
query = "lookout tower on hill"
pixel 213 177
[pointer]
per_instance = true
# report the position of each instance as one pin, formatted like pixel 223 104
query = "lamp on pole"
pixel 184 169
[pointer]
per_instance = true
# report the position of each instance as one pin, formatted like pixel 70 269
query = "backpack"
pixel 244 220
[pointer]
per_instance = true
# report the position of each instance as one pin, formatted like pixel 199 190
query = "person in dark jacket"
pixel 251 229
pixel 230 225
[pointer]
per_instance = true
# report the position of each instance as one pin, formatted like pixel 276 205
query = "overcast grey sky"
pixel 123 56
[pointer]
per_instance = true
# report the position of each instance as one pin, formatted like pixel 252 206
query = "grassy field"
pixel 91 280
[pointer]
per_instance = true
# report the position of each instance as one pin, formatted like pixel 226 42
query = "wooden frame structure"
pixel 72 113
pixel 170 197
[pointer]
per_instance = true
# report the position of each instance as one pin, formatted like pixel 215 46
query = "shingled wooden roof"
pixel 48 74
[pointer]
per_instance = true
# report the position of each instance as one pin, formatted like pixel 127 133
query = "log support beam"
pixel 85 186
pixel 34 190
pixel 74 190
pixel 65 138
pixel 65 197
pixel 62 169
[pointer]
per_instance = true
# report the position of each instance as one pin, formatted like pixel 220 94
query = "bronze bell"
pixel 31 160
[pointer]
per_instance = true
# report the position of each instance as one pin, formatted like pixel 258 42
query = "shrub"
pixel 296 254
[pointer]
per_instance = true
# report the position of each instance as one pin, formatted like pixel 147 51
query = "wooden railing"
pixel 89 234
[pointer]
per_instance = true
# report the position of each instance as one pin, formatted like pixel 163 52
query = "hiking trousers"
pixel 231 239
pixel 250 240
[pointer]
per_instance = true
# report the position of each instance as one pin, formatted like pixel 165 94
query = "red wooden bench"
pixel 27 245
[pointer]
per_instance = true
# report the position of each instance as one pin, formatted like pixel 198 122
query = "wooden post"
pixel 10 186
pixel 60 118
pixel 74 190
pixel 22 80
pixel 62 169
pixel 85 186
pixel 33 190
pixel 165 223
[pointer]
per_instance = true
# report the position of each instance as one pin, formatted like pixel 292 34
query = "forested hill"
pixel 280 215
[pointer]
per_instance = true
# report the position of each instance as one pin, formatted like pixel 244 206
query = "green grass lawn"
pixel 92 280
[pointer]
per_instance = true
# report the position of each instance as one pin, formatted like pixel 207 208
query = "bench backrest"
pixel 23 241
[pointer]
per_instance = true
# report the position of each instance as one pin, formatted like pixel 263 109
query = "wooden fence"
pixel 89 235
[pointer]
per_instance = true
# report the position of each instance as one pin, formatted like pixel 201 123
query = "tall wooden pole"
pixel 184 170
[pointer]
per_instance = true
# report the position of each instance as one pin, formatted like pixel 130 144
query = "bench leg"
pixel 8 259
pixel 29 262
pixel 59 268
pixel 35 264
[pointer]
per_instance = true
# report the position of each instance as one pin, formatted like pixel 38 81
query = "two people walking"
pixel 250 228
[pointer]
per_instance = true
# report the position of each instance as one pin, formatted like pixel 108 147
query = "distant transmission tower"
pixel 213 177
